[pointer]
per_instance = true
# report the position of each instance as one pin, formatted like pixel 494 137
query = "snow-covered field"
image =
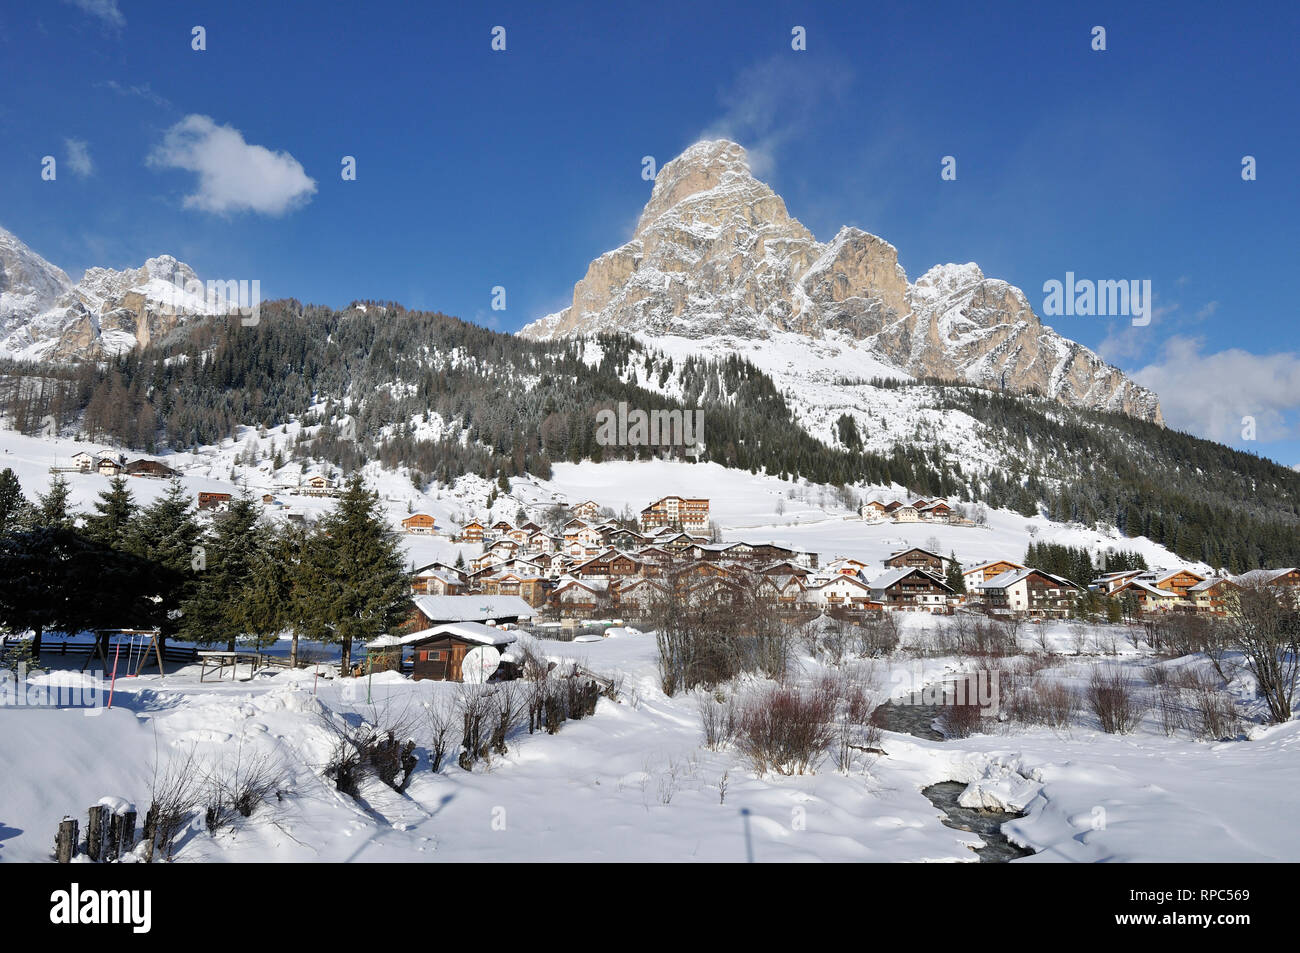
pixel 635 781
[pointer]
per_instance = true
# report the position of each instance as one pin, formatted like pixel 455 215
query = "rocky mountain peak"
pixel 28 283
pixel 717 254
pixel 44 316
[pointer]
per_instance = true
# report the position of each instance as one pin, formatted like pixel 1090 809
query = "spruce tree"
pixel 953 577
pixel 166 533
pixel 52 506
pixel 111 523
pixel 354 579
pixel 270 601
pixel 214 612
pixel 13 505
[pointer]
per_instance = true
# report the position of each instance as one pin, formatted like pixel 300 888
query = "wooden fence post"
pixel 65 844
pixel 95 832
pixel 126 834
pixel 150 832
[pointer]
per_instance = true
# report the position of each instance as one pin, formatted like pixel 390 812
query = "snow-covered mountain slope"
pixel 28 283
pixel 45 317
pixel 716 255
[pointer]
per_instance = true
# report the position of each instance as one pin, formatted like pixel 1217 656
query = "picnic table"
pixel 219 660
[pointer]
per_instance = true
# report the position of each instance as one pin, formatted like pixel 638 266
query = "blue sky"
pixel 478 168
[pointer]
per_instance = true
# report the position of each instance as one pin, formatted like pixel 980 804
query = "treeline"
pixel 234 580
pixel 523 404
pixel 445 398
pixel 1201 500
pixel 1075 563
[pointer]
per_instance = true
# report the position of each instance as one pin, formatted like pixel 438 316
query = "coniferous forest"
pixel 526 404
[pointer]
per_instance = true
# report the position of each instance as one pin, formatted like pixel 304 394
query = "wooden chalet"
pixel 213 501
pixel 911 588
pixel 149 468
pixel 916 558
pixel 439 651
pixel 419 524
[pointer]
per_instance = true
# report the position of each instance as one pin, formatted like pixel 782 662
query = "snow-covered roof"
pixel 467 631
pixel 472 608
pixel 1261 576
pixel 993 562
pixel 887 579
pixel 1013 576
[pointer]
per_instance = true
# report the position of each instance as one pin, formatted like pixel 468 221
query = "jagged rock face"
pixel 716 253
pixel 106 313
pixel 28 283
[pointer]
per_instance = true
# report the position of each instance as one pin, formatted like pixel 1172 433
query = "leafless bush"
pixel 1156 676
pixel 787 729
pixel 440 722
pixel 510 705
pixel 1114 699
pixel 1047 702
pixel 1264 622
pixel 173 795
pixel 960 720
pixel 1216 714
pixel 1041 639
pixel 854 732
pixel 1170 708
pixel 718 717
pixel 880 636
pixel 236 786
pixel 475 707
pixel 1078 637
pixel 372 748
pixel 1181 633
pixel 533 663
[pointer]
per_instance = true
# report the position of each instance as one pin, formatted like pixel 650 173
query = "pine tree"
pixel 14 508
pixel 111 523
pixel 269 600
pixel 953 576
pixel 354 579
pixel 52 506
pixel 215 611
pixel 166 533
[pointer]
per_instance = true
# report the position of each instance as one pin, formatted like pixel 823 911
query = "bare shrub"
pixel 960 719
pixel 787 729
pixel 475 706
pixel 718 717
pixel 236 786
pixel 1170 708
pixel 879 636
pixel 1264 622
pixel 1049 703
pixel 372 748
pixel 1216 715
pixel 173 795
pixel 854 732
pixel 1078 637
pixel 510 706
pixel 1155 675
pixel 1041 639
pixel 440 722
pixel 1181 633
pixel 1114 699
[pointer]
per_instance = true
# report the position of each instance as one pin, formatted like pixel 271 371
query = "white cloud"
pixel 1209 394
pixel 234 176
pixel 143 91
pixel 106 10
pixel 78 159
pixel 772 102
